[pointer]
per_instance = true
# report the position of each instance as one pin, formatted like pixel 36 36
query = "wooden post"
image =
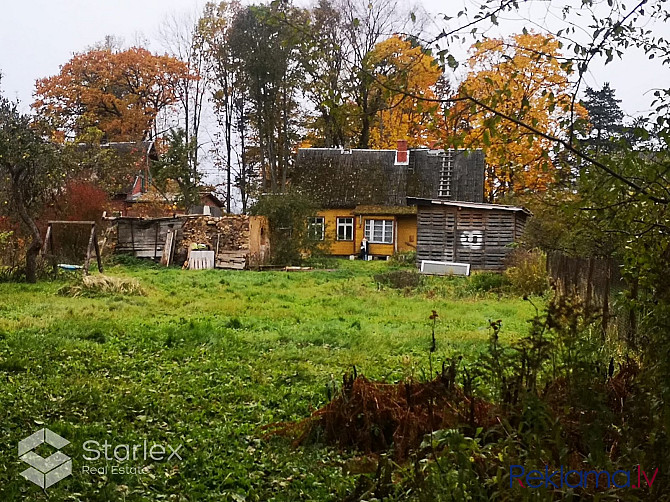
pixel 589 284
pixel 167 248
pixel 89 249
pixel 47 238
pixel 54 265
pixel 158 225
pixel 48 244
pixel 606 297
pixel 97 249
pixel 132 236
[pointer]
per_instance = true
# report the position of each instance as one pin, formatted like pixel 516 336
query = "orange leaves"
pixel 523 78
pixel 402 72
pixel 119 93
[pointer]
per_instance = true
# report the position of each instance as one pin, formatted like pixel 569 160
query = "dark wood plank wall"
pixel 479 237
pixel 146 238
pixel 435 234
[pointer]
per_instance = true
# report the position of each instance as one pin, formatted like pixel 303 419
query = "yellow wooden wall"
pixel 404 233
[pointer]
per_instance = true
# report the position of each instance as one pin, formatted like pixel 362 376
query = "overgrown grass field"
pixel 206 359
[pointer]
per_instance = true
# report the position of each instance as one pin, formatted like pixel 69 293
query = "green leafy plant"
pixel 288 216
pixel 399 279
pixel 527 272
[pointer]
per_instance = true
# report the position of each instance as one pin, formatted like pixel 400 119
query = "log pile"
pixel 228 236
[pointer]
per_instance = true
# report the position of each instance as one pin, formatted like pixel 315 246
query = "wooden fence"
pixel 599 283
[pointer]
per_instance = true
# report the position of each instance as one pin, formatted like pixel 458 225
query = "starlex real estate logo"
pixel 45 472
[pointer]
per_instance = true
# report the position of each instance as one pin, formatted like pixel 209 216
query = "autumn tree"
pixel 406 80
pixel 365 24
pixel 119 93
pixel 523 79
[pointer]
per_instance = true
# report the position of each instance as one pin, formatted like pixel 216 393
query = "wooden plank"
pixel 97 249
pixel 47 238
pixel 166 256
pixel 61 222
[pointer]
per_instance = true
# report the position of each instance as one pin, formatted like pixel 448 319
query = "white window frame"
pixel 346 225
pixel 386 228
pixel 316 228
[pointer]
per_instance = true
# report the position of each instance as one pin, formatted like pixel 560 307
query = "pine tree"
pixel 605 118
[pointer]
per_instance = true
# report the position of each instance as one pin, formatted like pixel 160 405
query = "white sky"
pixel 37 36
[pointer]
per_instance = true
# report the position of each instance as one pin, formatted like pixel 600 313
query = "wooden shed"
pixel 465 232
pixel 145 237
pixel 239 241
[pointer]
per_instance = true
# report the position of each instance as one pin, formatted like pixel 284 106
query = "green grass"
pixel 206 359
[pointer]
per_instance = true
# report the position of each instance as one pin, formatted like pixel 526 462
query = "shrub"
pixel 10 252
pixel 527 272
pixel 288 215
pixel 485 282
pixel 129 260
pixel 399 279
pixel 404 258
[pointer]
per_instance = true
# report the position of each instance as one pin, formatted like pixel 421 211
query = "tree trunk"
pixel 364 139
pixel 36 244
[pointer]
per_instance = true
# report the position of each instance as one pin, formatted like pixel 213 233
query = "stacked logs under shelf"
pixel 228 236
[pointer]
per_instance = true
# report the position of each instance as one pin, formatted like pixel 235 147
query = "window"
pixel 316 228
pixel 379 231
pixel 345 229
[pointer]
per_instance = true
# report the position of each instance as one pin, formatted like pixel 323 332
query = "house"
pixel 363 193
pixel 465 232
pixel 140 197
pixel 210 205
pixel 139 154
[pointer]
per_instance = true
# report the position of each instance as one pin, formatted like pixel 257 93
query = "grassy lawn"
pixel 207 358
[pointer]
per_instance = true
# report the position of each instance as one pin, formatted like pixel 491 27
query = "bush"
pixel 288 215
pixel 527 272
pixel 405 258
pixel 400 279
pixel 488 282
pixel 129 260
pixel 10 252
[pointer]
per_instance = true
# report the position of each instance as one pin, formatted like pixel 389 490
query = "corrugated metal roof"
pixel 474 205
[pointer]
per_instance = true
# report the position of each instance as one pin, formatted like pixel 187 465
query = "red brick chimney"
pixel 401 153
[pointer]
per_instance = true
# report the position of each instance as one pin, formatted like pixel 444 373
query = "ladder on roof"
pixel 446 174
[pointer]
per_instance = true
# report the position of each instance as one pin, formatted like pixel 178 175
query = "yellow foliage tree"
pixel 523 78
pixel 405 80
pixel 118 93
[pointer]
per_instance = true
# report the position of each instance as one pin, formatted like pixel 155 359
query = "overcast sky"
pixel 37 36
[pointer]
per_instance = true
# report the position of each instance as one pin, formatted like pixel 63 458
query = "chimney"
pixel 401 156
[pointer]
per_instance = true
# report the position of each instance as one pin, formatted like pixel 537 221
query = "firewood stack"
pixel 228 236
